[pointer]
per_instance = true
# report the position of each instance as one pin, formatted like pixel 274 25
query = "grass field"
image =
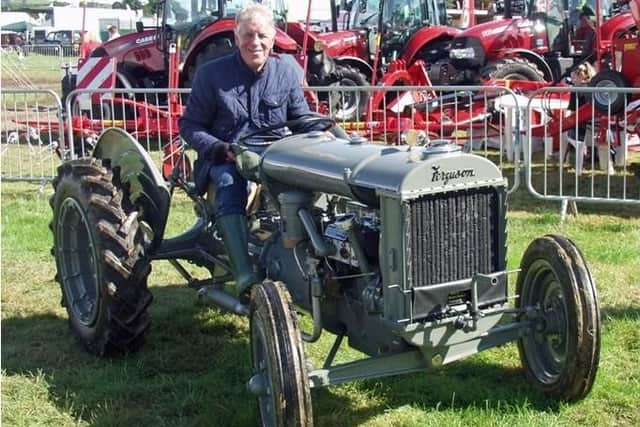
pixel 33 70
pixel 194 365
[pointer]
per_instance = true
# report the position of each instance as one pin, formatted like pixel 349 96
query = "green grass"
pixel 194 365
pixel 36 70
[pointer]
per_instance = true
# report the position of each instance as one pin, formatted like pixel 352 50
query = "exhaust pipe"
pixel 224 300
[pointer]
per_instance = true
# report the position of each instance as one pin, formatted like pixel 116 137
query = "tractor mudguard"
pixel 133 165
pixel 426 35
pixel 355 63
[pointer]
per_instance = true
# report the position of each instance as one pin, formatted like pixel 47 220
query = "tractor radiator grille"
pixel 454 236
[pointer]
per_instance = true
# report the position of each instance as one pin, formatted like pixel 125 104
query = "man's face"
pixel 255 39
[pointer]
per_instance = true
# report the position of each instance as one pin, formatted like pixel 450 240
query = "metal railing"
pixel 45 56
pixel 490 121
pixel 579 148
pixel 31 133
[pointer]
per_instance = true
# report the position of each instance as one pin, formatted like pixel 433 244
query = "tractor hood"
pixel 491 30
pixel 473 47
pixel 335 44
pixel 320 162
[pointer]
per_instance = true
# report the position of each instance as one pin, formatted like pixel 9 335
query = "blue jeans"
pixel 231 190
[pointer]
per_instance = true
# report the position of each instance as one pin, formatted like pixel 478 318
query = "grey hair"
pixel 254 11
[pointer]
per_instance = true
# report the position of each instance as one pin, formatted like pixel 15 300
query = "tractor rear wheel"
pixel 609 102
pixel 214 49
pixel 277 356
pixel 512 69
pixel 560 354
pixel 347 106
pixel 99 252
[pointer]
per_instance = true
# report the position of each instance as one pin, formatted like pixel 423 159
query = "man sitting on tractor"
pixel 237 94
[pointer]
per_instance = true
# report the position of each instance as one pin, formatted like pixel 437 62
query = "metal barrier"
pixel 32 131
pixel 144 113
pixel 583 145
pixel 42 56
pixel 490 121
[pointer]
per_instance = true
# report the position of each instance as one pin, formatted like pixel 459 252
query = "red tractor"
pixel 202 30
pixel 367 35
pixel 613 116
pixel 535 40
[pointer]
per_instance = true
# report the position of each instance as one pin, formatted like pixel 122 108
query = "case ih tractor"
pixel 535 46
pixel 202 31
pixel 407 30
pixel 401 250
pixel 373 34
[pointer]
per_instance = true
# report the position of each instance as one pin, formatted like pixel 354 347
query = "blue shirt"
pixel 228 100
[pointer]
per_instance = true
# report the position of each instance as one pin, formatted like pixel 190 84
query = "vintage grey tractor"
pixel 400 249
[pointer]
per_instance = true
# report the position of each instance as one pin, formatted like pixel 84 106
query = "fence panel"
pixel 583 144
pixel 32 132
pixel 564 135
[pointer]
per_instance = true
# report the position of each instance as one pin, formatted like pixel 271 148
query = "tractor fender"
pixel 131 162
pixel 532 57
pixel 199 44
pixel 126 75
pixel 125 79
pixel 356 63
pixel 424 36
pixel 616 26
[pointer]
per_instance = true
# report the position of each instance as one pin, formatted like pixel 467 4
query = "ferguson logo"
pixel 440 175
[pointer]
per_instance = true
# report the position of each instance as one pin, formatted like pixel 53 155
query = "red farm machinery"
pixel 533 40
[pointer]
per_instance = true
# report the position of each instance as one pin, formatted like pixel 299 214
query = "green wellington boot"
pixel 235 235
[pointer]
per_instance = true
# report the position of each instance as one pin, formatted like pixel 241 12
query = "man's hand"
pixel 231 157
pixel 219 154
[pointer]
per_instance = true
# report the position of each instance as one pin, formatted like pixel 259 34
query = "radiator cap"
pixel 440 146
pixel 355 139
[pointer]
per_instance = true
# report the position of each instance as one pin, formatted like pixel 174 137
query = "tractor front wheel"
pixel 277 356
pixel 560 354
pixel 98 247
pixel 609 102
pixel 512 69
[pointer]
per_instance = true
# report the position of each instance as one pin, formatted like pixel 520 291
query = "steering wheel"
pixel 267 137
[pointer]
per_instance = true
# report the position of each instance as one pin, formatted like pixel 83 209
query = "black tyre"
pixel 609 102
pixel 214 49
pixel 561 354
pixel 512 69
pixel 99 252
pixel 277 358
pixel 347 106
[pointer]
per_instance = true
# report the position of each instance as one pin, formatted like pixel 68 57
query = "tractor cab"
pixel 183 20
pixel 396 21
